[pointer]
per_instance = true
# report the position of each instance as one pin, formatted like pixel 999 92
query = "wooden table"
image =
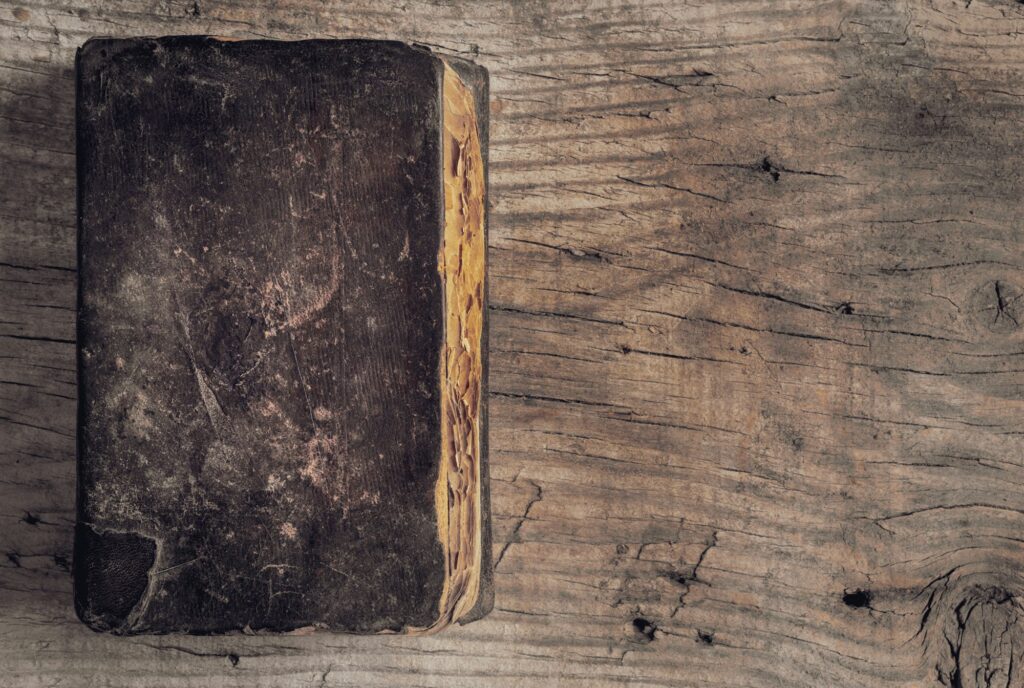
pixel 756 347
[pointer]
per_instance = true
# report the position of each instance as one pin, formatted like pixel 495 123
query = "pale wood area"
pixel 756 347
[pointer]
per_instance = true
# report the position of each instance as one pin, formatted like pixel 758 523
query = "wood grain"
pixel 756 347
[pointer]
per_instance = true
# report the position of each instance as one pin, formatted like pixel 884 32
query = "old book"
pixel 282 334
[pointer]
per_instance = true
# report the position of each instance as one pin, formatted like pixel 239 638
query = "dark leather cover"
pixel 260 322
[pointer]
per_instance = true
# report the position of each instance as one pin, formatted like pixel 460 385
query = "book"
pixel 281 337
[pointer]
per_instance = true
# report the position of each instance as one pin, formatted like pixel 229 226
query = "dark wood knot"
pixel 975 636
pixel 997 306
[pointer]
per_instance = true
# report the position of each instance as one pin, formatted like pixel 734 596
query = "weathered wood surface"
pixel 756 347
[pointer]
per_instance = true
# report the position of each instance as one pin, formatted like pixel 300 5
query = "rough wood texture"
pixel 755 345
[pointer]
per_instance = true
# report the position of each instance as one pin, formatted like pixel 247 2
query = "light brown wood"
pixel 756 347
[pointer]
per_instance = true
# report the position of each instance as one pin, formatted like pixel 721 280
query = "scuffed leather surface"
pixel 111 575
pixel 259 327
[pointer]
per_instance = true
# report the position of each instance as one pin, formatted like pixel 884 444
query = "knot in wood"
pixel 997 306
pixel 977 639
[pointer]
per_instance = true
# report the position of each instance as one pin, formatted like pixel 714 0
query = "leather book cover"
pixel 281 337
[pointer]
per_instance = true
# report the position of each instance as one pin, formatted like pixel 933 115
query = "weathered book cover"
pixel 281 332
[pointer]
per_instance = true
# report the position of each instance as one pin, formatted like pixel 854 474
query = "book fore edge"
pixel 461 264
